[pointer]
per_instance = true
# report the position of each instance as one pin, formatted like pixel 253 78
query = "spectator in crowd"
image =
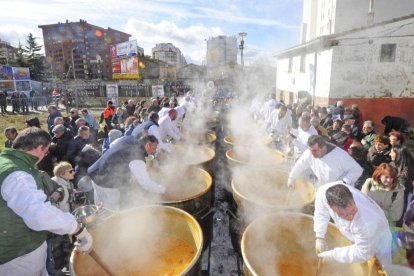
pixel 360 156
pixel 3 102
pixel 380 151
pixel 107 115
pixel 130 107
pixel 349 120
pixel 369 134
pixel 15 100
pixel 142 104
pixel 339 109
pixel 326 119
pixel 64 174
pixel 33 122
pixel 60 143
pixel 343 140
pixel 11 134
pixel 396 138
pixel 24 102
pixel 77 144
pixel 118 119
pixel 404 162
pixel 394 123
pixel 53 113
pixel 358 115
pixel 154 106
pixel 315 121
pixel 34 99
pixel 92 123
pixel 74 115
pixel 385 189
pixel 336 127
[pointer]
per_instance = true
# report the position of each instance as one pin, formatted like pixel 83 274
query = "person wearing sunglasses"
pixel 64 173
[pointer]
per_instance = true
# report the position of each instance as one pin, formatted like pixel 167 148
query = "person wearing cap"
pixel 343 140
pixel 327 162
pixel 369 134
pixel 349 119
pixel 74 115
pixel 336 127
pixel 60 143
pixel 358 218
pixel 27 214
pixel 326 119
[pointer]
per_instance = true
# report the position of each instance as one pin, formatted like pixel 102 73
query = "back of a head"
pixel 339 195
pixel 30 138
pixel 153 116
pixel 144 139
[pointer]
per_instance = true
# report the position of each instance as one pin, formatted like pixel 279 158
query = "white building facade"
pixel 221 51
pixel 170 54
pixel 343 58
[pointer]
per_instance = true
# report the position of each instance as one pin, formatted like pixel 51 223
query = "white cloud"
pixel 190 40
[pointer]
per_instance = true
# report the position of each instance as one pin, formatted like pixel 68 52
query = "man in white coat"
pixel 167 128
pixel 26 213
pixel 280 121
pixel 327 162
pixel 358 218
pixel 304 131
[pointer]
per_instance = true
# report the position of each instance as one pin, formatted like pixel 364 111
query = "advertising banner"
pixel 6 73
pixel 112 49
pixel 129 65
pixel 157 91
pixel 23 86
pixel 116 67
pixel 21 73
pixel 112 93
pixel 7 85
pixel 125 49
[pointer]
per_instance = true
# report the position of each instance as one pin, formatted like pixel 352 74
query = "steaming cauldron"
pixel 254 157
pixel 150 240
pixel 189 189
pixel 200 137
pixel 245 140
pixel 191 155
pixel 258 191
pixel 284 244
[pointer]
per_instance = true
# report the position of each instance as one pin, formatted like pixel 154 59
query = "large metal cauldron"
pixel 191 155
pixel 190 189
pixel 254 157
pixel 284 244
pixel 150 240
pixel 246 140
pixel 259 190
pixel 200 137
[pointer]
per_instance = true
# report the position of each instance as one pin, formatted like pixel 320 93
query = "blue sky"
pixel 271 25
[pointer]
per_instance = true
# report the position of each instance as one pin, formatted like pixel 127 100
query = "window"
pixel 388 52
pixel 290 65
pixel 302 63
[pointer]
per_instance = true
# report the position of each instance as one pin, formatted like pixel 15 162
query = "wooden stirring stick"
pixel 318 269
pixel 98 260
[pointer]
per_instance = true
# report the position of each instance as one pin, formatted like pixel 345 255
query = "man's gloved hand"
pixel 327 256
pixel 320 245
pixel 84 241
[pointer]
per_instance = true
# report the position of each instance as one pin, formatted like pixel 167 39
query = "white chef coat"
pixel 368 231
pixel 336 165
pixel 168 129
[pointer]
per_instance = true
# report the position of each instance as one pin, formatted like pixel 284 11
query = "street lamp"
pixel 73 64
pixel 241 46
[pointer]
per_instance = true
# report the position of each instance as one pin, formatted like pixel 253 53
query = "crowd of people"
pixel 20 102
pixel 364 178
pixel 80 161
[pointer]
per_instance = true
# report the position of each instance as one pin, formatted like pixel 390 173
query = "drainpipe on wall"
pixel 315 62
pixel 371 12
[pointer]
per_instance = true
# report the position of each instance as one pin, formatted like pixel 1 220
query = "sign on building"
pixel 157 91
pixel 112 93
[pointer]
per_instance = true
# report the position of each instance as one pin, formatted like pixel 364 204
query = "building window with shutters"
pixel 388 52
